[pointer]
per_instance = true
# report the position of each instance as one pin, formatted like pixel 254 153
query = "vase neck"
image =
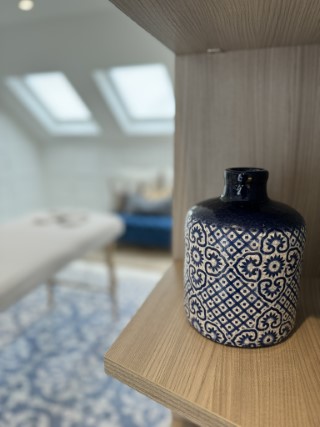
pixel 245 185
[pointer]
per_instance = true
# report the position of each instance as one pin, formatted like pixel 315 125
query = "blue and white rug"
pixel 51 361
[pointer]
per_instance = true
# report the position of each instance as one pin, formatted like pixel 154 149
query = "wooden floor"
pixel 146 259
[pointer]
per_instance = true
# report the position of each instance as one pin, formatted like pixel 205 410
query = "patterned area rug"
pixel 51 360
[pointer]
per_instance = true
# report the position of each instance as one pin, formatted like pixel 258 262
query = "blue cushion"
pixel 147 230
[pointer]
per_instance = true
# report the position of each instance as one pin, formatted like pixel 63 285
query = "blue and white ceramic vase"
pixel 243 255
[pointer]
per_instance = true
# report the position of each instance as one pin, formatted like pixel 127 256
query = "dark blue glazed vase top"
pixel 243 256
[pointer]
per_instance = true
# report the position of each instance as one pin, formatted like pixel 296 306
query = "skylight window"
pixel 145 90
pixel 140 96
pixel 58 96
pixel 54 102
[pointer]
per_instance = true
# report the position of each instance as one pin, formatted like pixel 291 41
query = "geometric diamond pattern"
pixel 243 281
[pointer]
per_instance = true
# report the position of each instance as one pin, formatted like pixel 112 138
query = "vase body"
pixel 243 255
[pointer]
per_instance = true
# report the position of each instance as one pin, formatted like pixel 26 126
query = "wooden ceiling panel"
pixel 191 26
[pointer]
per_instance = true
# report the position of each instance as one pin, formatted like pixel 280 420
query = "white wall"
pixel 20 171
pixel 82 174
pixel 77 171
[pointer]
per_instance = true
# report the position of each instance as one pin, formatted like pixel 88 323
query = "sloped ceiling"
pixel 75 37
pixel 49 9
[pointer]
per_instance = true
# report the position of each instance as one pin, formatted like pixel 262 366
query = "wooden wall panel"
pixel 250 108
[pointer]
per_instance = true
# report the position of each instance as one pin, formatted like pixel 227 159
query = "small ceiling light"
pixel 26 5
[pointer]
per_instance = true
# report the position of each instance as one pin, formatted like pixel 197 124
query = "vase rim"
pixel 237 170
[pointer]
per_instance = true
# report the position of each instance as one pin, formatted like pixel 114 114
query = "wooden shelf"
pixel 193 26
pixel 160 355
pixel 247 107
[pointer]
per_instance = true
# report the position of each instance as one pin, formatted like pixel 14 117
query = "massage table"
pixel 34 248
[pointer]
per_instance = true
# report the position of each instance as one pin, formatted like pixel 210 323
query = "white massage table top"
pixel 35 247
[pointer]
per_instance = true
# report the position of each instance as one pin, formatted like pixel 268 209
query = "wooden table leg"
pixel 50 292
pixel 178 421
pixel 112 288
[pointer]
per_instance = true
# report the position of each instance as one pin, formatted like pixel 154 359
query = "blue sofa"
pixel 153 231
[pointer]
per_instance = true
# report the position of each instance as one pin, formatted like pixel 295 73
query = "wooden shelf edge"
pixel 163 396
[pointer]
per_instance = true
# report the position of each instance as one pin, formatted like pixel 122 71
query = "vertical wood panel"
pixel 250 108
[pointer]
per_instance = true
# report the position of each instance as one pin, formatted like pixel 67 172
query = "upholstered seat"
pixel 34 248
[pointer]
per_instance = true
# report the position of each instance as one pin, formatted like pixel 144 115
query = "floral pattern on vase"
pixel 255 290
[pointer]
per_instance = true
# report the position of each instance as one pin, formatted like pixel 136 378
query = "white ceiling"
pixel 10 14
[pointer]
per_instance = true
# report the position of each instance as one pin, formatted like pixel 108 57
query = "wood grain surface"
pixel 212 385
pixel 178 421
pixel 250 108
pixel 193 26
